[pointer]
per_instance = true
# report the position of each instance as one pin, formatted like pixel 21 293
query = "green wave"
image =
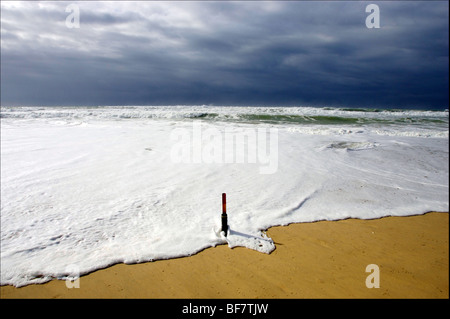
pixel 301 119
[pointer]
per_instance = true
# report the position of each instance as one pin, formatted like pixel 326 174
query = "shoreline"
pixel 323 259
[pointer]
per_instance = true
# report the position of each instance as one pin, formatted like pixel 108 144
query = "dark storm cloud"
pixel 275 53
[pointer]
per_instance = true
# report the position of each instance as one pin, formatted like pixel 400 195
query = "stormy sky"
pixel 225 53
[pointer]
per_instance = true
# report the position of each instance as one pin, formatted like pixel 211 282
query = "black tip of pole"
pixel 225 224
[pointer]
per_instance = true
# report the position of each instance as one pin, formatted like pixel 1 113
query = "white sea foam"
pixel 182 111
pixel 94 187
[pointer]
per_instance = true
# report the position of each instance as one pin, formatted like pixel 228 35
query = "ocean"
pixel 83 188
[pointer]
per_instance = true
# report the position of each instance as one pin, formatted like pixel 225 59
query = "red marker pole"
pixel 224 214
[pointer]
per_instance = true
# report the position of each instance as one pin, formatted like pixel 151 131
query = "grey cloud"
pixel 227 53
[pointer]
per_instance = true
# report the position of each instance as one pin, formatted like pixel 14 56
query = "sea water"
pixel 83 188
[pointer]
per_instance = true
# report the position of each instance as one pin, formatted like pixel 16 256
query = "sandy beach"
pixel 325 259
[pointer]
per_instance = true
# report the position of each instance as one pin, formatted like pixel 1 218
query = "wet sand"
pixel 325 259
